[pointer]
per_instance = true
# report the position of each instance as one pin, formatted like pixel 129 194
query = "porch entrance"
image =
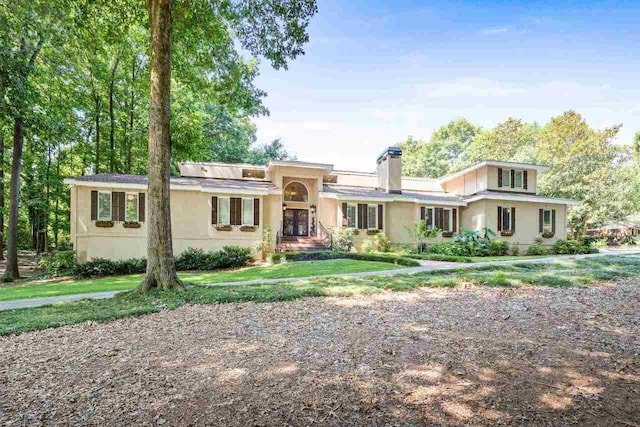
pixel 296 222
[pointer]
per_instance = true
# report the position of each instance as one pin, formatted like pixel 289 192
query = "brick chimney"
pixel 390 170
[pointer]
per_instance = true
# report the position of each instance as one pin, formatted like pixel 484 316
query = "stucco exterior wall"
pixel 190 223
pixel 483 213
pixel 469 183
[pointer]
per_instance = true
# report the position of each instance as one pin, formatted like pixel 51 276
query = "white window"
pixel 131 208
pixel 428 218
pixel 104 206
pixel 447 220
pixel 224 206
pixel 247 211
pixel 372 216
pixel 546 220
pixel 518 179
pixel 506 177
pixel 506 219
pixel 352 215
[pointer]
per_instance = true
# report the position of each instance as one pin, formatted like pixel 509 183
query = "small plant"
pixel 515 249
pixel 419 232
pixel 572 247
pixel 276 258
pixel 382 243
pixel 265 245
pixel 498 248
pixel 537 249
pixel 343 239
pixel 368 246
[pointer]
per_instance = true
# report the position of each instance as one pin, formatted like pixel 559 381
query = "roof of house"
pixel 517 197
pixel 185 183
pixel 539 168
pixel 370 193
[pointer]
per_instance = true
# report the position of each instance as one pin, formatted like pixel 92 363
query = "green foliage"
pixel 321 255
pixel 537 249
pixel 572 247
pixel 276 258
pixel 58 263
pixel 498 248
pixel 515 249
pixel 266 244
pixel 439 257
pixel 382 243
pixel 343 239
pixel 419 233
pixel 369 245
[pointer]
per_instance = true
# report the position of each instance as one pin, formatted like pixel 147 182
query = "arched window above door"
pixel 296 192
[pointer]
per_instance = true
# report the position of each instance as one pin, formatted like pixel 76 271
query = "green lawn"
pixel 119 283
pixel 560 274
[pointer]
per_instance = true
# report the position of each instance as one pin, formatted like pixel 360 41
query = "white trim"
pixel 218 210
pixel 355 213
pixel 137 206
pixel 295 163
pixel 244 199
pixel 242 165
pixel 544 227
pixel 524 198
pixel 127 186
pixel 110 217
pixel 295 201
pixel 508 165
pixel 390 198
pixel 375 208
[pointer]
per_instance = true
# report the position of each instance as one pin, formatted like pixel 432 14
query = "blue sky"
pixel 375 72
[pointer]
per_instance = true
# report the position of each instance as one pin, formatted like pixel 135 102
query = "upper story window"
pixel 512 178
pixel 104 206
pixel 296 192
pixel 253 173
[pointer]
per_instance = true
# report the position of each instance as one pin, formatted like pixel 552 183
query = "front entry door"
pixel 296 222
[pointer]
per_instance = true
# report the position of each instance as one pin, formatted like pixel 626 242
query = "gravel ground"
pixel 474 356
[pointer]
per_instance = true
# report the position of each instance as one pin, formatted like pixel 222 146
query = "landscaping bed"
pixel 473 355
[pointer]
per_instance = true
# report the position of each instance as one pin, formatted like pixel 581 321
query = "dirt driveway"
pixel 477 356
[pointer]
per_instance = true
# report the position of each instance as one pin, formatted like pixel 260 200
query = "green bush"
pixel 58 263
pixel 343 239
pixel 368 246
pixel 498 248
pixel 537 249
pixel 276 257
pixel 382 243
pixel 572 247
pixel 440 257
pixel 323 255
pixel 191 259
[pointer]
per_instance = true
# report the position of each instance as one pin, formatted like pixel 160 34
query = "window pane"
pixel 429 218
pixel 506 177
pixel 518 179
pixel 296 192
pixel 131 209
pixel 351 216
pixel 247 211
pixel 223 211
pixel 372 216
pixel 547 220
pixel 104 206
pixel 446 223
pixel 506 218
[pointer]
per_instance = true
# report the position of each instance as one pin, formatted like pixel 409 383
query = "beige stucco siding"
pixel 469 183
pixel 485 213
pixel 190 222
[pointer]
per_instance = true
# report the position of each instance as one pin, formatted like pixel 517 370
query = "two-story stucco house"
pixel 217 204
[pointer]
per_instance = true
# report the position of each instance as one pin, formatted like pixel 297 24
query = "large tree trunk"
pixel 161 268
pixel 12 235
pixel 98 106
pixel 1 194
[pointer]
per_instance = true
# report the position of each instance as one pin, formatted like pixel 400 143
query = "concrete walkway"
pixel 426 266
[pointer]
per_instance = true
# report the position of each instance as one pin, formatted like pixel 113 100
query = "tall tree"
pixel 274 29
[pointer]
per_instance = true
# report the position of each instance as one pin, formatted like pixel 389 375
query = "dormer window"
pixel 512 178
pixel 253 173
